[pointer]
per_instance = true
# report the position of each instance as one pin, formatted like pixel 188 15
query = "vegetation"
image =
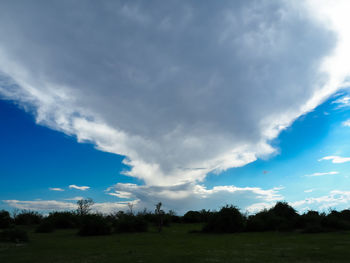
pixel 5 219
pixel 26 217
pixel 277 234
pixel 15 235
pixel 175 244
pixel 282 218
pixel 228 220
pixel 46 226
pixel 94 225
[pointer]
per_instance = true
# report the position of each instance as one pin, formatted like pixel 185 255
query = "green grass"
pixel 175 244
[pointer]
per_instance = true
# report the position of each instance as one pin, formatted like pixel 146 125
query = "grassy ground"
pixel 175 244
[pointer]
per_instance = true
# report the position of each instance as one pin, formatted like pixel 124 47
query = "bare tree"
pixel 159 213
pixel 84 206
pixel 131 205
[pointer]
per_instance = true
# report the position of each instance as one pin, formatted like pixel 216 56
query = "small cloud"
pixel 121 194
pixel 320 174
pixel 56 189
pixel 77 198
pixel 82 188
pixel 336 159
pixel 258 207
pixel 346 123
pixel 335 199
pixel 309 190
pixel 343 101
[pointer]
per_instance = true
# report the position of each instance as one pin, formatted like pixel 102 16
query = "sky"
pixel 192 104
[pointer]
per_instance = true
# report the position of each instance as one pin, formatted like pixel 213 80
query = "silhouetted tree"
pixel 84 206
pixel 228 220
pixel 5 219
pixel 94 225
pixel 26 217
pixel 160 214
pixel 65 219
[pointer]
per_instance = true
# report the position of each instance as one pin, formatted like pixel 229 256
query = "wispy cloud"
pixel 82 188
pixel 77 198
pixel 336 159
pixel 321 174
pixel 54 205
pixel 189 196
pixel 41 205
pixel 120 194
pixel 343 101
pixel 346 123
pixel 56 189
pixel 309 190
pixel 335 199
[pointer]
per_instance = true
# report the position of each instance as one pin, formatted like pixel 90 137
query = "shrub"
pixel 127 223
pixel 309 219
pixel 281 217
pixel 228 220
pixel 284 210
pixel 262 221
pixel 192 217
pixel 313 228
pixel 345 215
pixel 5 219
pixel 46 226
pixel 94 225
pixel 64 219
pixel 14 235
pixel 28 218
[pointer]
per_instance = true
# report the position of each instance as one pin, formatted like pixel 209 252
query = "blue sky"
pixel 133 102
pixel 36 158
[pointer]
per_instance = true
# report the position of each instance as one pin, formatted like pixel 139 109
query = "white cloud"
pixel 336 199
pixel 309 190
pixel 257 207
pixel 82 188
pixel 77 198
pixel 183 95
pixel 53 205
pixel 189 196
pixel 56 189
pixel 346 123
pixel 343 101
pixel 321 174
pixel 120 194
pixel 336 159
pixel 41 205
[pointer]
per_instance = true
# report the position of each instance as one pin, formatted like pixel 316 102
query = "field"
pixel 175 244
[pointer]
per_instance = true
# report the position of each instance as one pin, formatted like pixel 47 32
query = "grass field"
pixel 175 244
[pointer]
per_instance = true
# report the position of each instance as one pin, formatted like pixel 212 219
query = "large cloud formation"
pixel 181 88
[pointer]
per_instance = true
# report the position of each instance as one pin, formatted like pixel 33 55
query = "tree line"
pixel 229 219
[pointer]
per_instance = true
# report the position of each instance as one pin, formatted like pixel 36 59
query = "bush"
pixel 94 225
pixel 284 210
pixel 5 219
pixel 64 219
pixel 228 220
pixel 192 217
pixel 28 218
pixel 262 221
pixel 281 217
pixel 313 228
pixel 127 223
pixel 14 235
pixel 46 226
